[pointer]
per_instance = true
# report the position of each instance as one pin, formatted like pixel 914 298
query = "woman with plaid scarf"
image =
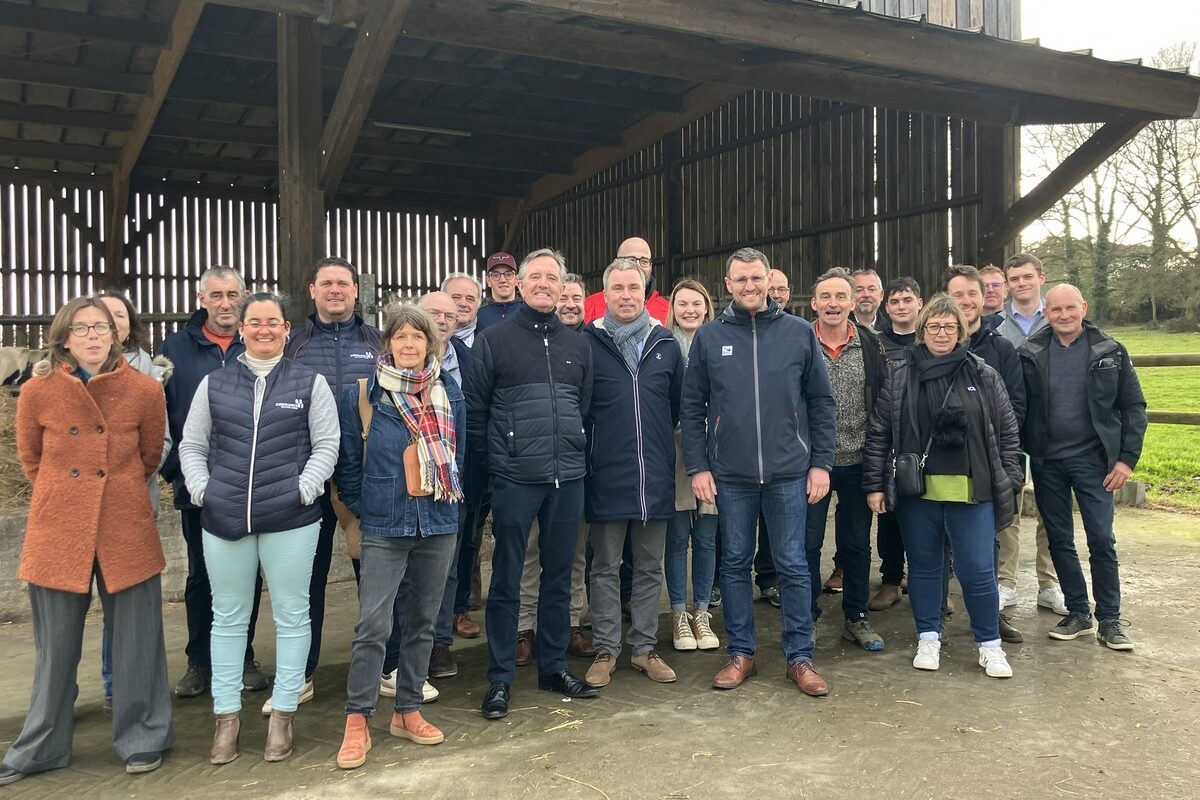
pixel 398 471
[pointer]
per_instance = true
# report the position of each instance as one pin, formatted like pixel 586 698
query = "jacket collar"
pixel 1098 342
pixel 195 327
pixel 540 321
pixel 739 316
pixel 335 327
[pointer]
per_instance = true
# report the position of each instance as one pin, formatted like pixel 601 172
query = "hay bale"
pixel 14 489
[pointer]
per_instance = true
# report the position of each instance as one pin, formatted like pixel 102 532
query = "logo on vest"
pixel 298 405
pixel 365 356
pixel 726 350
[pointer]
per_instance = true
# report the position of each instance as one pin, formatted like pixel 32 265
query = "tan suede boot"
pixel 356 742
pixel 225 738
pixel 279 736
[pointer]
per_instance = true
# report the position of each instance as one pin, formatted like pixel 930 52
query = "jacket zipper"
pixel 254 448
pixel 757 405
pixel 553 403
pixel 637 426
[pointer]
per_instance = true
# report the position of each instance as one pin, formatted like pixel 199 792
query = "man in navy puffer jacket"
pixel 638 373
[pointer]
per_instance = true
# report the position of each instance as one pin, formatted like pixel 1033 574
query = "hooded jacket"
pixel 631 428
pixel 1115 401
pixel 528 387
pixel 757 405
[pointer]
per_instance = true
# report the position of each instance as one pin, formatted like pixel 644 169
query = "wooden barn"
pixel 144 140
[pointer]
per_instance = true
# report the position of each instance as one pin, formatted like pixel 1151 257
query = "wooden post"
pixel 301 203
pixel 116 207
pixel 998 166
pixel 673 188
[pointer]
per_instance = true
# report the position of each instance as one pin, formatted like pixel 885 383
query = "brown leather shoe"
pixel 525 640
pixel 225 739
pixel 652 665
pixel 734 673
pixel 804 676
pixel 465 627
pixel 356 742
pixel 279 736
pixel 834 583
pixel 885 598
pixel 580 644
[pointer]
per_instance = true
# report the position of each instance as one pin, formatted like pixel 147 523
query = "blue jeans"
pixel 971 529
pixel 1053 483
pixel 783 504
pixel 852 532
pixel 286 558
pixel 701 531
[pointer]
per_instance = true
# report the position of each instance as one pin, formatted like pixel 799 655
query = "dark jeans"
pixel 557 510
pixel 1053 483
pixel 852 532
pixel 322 560
pixel 783 504
pixel 764 564
pixel 443 632
pixel 472 535
pixel 891 549
pixel 971 529
pixel 197 596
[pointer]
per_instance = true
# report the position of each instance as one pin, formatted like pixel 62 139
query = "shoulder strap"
pixel 365 412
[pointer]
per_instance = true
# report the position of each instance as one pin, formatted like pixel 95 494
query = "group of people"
pixel 605 435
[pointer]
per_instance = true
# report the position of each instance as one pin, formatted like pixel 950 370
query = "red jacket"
pixel 594 307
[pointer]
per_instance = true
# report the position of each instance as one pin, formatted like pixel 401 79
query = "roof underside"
pixel 481 99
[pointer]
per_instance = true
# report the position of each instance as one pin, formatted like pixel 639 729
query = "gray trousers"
pixel 141 691
pixel 648 540
pixel 385 563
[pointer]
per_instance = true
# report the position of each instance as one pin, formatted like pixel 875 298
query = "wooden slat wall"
pixel 44 260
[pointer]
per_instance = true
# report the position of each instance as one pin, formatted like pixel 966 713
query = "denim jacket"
pixel 377 492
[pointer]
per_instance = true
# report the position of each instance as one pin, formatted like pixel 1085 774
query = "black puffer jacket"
pixel 1002 436
pixel 999 354
pixel 528 386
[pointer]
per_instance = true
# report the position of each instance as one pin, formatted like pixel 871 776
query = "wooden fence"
pixel 50 251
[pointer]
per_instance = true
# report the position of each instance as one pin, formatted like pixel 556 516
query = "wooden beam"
pixel 301 203
pixel 116 208
pixel 359 83
pixel 69 76
pixel 1074 168
pixel 514 227
pixel 997 164
pixel 454 73
pixel 89 26
pixel 30 177
pixel 187 14
pixel 327 12
pixel 827 32
pixel 646 132
pixel 65 117
pixel 55 151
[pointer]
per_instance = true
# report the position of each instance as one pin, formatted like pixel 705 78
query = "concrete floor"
pixel 1077 720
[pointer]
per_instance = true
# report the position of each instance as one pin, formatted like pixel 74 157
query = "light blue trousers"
pixel 287 559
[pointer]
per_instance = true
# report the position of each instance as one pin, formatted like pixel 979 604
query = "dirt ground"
pixel 1077 720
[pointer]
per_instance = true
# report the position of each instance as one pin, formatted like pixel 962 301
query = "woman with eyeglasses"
pixel 89 434
pixel 259 442
pixel 946 414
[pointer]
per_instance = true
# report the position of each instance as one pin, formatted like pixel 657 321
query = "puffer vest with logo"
pixel 257 449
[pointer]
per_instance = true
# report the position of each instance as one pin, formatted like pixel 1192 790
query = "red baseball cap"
pixel 501 260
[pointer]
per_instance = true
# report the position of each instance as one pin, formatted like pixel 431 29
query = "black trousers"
pixel 197 596
pixel 891 549
pixel 322 561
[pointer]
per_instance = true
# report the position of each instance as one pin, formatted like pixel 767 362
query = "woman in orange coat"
pixel 89 434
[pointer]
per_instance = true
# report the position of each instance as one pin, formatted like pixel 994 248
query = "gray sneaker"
pixel 1073 626
pixel 1112 635
pixel 859 630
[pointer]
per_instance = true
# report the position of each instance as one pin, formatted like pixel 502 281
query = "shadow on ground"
pixel 1077 720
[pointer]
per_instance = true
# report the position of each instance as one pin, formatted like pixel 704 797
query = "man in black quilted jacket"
pixel 528 385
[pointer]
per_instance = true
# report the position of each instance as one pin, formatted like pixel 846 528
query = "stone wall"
pixel 14 600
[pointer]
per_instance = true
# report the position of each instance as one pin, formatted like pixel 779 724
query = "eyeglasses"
pixel 81 330
pixel 994 285
pixel 944 327
pixel 449 316
pixel 742 280
pixel 271 324
pixel 501 274
pixel 643 261
pixel 778 290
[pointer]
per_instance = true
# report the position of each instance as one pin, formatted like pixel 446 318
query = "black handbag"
pixel 909 468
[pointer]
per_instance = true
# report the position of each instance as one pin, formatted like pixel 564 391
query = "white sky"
pixel 1113 29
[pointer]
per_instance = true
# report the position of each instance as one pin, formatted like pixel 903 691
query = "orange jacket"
pixel 594 307
pixel 88 450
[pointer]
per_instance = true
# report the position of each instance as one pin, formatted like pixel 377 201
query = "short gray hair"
pixel 622 263
pixel 747 255
pixel 573 277
pixel 547 252
pixel 453 276
pixel 840 273
pixel 223 273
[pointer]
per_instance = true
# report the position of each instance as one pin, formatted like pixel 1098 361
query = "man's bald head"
pixel 443 310
pixel 637 248
pixel 1065 310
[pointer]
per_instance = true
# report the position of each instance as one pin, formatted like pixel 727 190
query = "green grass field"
pixel 1170 463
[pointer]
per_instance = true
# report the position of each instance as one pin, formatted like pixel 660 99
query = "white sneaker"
pixel 682 636
pixel 429 692
pixel 994 662
pixel 1008 597
pixel 929 654
pixel 702 628
pixel 387 685
pixel 306 694
pixel 1052 598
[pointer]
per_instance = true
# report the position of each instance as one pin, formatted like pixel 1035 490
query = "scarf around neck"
pixel 626 337
pixel 423 405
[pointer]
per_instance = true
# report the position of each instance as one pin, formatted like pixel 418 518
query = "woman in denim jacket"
pixel 402 533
